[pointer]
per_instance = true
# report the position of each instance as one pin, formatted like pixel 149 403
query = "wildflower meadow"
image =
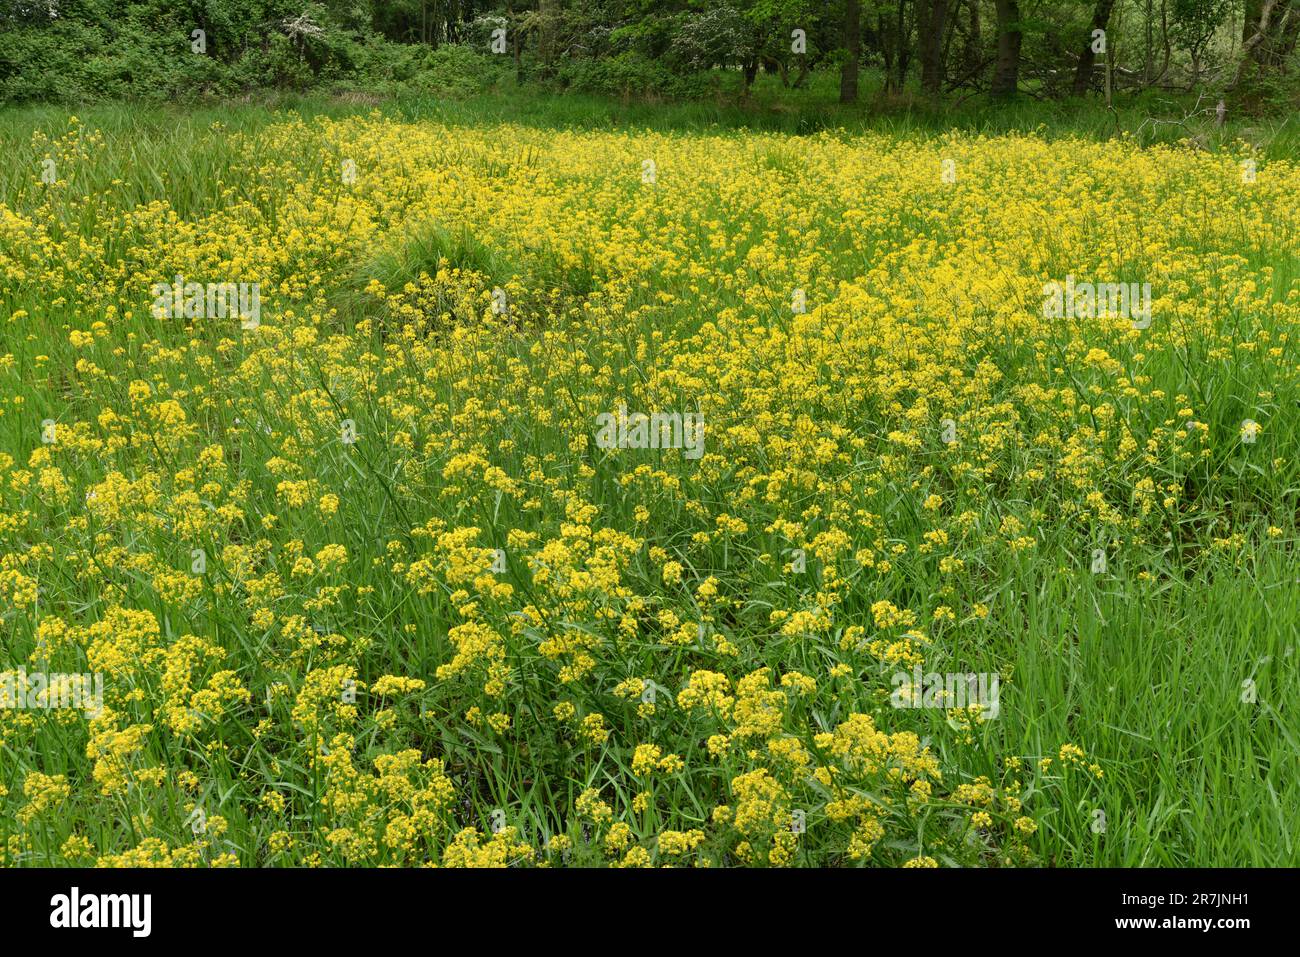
pixel 633 497
pixel 409 484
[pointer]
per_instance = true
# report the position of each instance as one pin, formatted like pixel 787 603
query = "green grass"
pixel 1150 117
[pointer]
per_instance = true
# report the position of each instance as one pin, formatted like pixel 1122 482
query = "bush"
pixel 68 61
pixel 629 75
pixel 459 70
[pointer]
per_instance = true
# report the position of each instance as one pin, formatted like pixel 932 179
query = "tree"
pixel 853 51
pixel 1194 25
pixel 1006 68
pixel 1269 33
pixel 1088 56
pixel 548 22
pixel 931 26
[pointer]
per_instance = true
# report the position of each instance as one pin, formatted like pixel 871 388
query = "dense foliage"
pixel 1240 50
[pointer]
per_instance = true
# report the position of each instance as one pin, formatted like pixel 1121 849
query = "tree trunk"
pixel 1149 54
pixel 904 37
pixel 932 22
pixel 1083 75
pixel 1255 32
pixel 1289 35
pixel 885 43
pixel 1283 30
pixel 1249 18
pixel 853 48
pixel 975 43
pixel 1006 69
